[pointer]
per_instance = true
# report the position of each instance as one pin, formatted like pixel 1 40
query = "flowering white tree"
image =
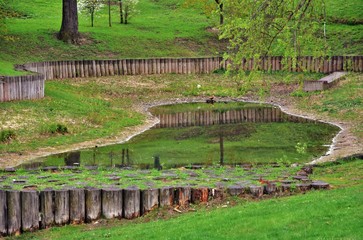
pixel 128 9
pixel 90 7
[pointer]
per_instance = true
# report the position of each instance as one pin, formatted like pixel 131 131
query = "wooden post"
pixel 14 212
pixel 256 191
pixel 236 190
pixel 270 188
pixel 46 209
pixel 77 206
pixel 166 196
pixel 93 204
pixel 149 200
pixel 112 203
pixel 3 214
pixel 29 210
pixel 61 207
pixel 217 193
pixel 182 196
pixel 131 200
pixel 199 195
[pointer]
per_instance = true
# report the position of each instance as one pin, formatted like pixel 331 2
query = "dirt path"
pixel 343 145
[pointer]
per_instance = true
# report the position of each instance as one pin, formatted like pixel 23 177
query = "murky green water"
pixel 206 134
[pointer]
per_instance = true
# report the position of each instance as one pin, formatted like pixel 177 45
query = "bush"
pixel 58 128
pixel 7 135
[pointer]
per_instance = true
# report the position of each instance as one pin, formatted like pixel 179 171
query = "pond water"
pixel 209 134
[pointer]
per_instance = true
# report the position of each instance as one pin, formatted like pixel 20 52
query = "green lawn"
pixel 161 29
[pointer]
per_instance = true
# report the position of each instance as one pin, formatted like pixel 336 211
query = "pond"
pixel 198 134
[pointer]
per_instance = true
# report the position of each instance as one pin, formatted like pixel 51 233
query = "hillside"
pixel 162 28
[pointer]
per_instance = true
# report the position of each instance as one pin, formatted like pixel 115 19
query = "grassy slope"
pixel 92 109
pixel 161 29
pixel 334 214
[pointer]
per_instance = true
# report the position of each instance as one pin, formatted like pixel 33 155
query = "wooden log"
pixel 318 185
pixel 182 196
pixel 236 190
pixel 131 200
pixel 3 214
pixel 285 188
pixel 29 210
pixel 61 207
pixel 217 193
pixel 303 187
pixel 200 195
pixel 270 188
pixel 93 204
pixel 149 200
pixel 77 209
pixel 46 208
pixel 112 203
pixel 14 212
pixel 256 191
pixel 166 196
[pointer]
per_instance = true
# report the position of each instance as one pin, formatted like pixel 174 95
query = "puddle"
pixel 199 134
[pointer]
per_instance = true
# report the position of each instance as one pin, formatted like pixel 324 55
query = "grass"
pixel 333 214
pixel 344 102
pixel 161 29
pixel 100 107
pixel 122 178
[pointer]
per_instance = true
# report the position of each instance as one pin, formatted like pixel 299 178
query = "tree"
pixel 209 7
pixel 258 28
pixel 127 10
pixel 90 7
pixel 69 29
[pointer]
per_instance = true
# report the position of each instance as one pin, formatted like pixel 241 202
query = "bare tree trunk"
pixel 92 17
pixel 69 29
pixel 121 14
pixel 109 13
pixel 126 13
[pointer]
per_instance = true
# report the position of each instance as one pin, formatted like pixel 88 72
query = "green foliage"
pixel 57 128
pixel 257 29
pixel 7 135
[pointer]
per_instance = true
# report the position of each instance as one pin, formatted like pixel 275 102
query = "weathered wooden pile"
pixel 32 86
pixel 30 210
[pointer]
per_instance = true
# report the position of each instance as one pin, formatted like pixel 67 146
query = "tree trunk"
pixel 69 29
pixel 109 13
pixel 92 17
pixel 121 14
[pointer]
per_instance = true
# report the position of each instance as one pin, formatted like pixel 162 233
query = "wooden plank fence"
pixel 21 87
pixel 32 86
pixel 30 210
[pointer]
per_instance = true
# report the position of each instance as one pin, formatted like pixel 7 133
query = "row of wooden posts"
pixel 30 210
pixel 32 86
pixel 99 68
pixel 206 118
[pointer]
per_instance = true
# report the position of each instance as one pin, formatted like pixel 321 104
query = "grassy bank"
pixel 99 108
pixel 333 214
pixel 162 28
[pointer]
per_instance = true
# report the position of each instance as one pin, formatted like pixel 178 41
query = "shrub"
pixel 7 135
pixel 57 128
